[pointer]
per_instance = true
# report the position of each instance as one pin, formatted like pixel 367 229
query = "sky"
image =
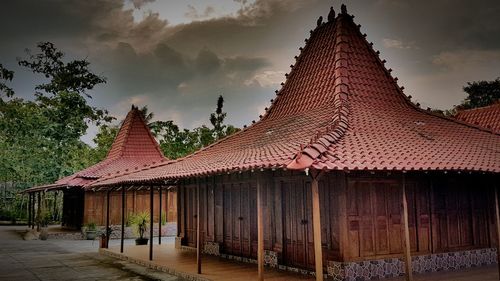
pixel 177 57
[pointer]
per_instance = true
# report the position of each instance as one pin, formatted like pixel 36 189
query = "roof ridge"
pixel 340 121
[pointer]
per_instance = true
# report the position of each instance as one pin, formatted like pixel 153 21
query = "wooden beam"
pixel 198 218
pixel 159 218
pixel 151 216
pixel 497 221
pixel 318 253
pixel 260 231
pixel 123 220
pixel 407 249
pixel 108 193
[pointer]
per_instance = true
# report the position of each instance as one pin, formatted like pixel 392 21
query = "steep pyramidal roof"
pixel 340 109
pixel 134 148
pixel 487 117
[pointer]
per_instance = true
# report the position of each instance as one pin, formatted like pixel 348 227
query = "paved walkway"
pixel 65 260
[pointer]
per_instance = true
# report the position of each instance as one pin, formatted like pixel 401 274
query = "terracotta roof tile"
pixel 339 109
pixel 487 117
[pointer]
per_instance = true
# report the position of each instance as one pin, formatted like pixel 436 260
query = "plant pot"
pixel 104 241
pixel 91 234
pixel 141 241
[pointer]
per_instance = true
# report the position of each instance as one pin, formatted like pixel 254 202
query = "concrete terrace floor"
pixel 66 260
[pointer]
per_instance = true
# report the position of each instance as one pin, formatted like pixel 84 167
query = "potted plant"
pixel 140 223
pixel 90 231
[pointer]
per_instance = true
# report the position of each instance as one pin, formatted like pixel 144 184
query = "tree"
pixel 6 75
pixel 217 119
pixel 63 102
pixel 104 140
pixel 41 138
pixel 481 93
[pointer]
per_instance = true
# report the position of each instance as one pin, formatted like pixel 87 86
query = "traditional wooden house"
pixel 487 117
pixel 344 175
pixel 133 148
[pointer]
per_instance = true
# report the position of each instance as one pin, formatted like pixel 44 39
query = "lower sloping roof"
pixel 487 117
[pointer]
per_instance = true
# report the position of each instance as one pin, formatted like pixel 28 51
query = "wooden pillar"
pixel 497 221
pixel 39 208
pixel 55 205
pixel 318 253
pixel 159 218
pixel 108 232
pixel 407 249
pixel 33 211
pixel 260 231
pixel 198 224
pixel 29 210
pixel 123 220
pixel 151 216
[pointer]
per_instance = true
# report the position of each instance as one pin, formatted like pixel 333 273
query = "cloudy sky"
pixel 178 56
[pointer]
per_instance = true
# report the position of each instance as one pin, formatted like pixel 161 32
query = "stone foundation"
pixel 211 248
pixel 384 268
pixel 270 258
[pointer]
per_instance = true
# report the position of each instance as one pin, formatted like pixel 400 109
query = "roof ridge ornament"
pixel 331 15
pixel 343 9
pixel 319 21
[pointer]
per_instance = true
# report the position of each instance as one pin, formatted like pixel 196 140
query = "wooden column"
pixel 108 232
pixel 497 221
pixel 38 211
pixel 29 210
pixel 33 200
pixel 198 242
pixel 318 253
pixel 407 249
pixel 123 219
pixel 151 216
pixel 159 218
pixel 55 206
pixel 260 231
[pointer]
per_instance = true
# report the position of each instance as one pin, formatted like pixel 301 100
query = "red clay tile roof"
pixel 487 117
pixel 339 109
pixel 133 148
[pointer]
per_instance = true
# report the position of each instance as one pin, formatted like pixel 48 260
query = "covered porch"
pixel 182 262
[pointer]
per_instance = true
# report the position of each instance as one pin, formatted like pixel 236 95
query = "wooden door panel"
pixel 228 219
pixel 190 193
pixel 297 219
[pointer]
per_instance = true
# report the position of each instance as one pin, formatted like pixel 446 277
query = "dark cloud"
pixel 179 70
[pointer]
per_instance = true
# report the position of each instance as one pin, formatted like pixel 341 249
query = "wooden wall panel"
pixel 136 201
